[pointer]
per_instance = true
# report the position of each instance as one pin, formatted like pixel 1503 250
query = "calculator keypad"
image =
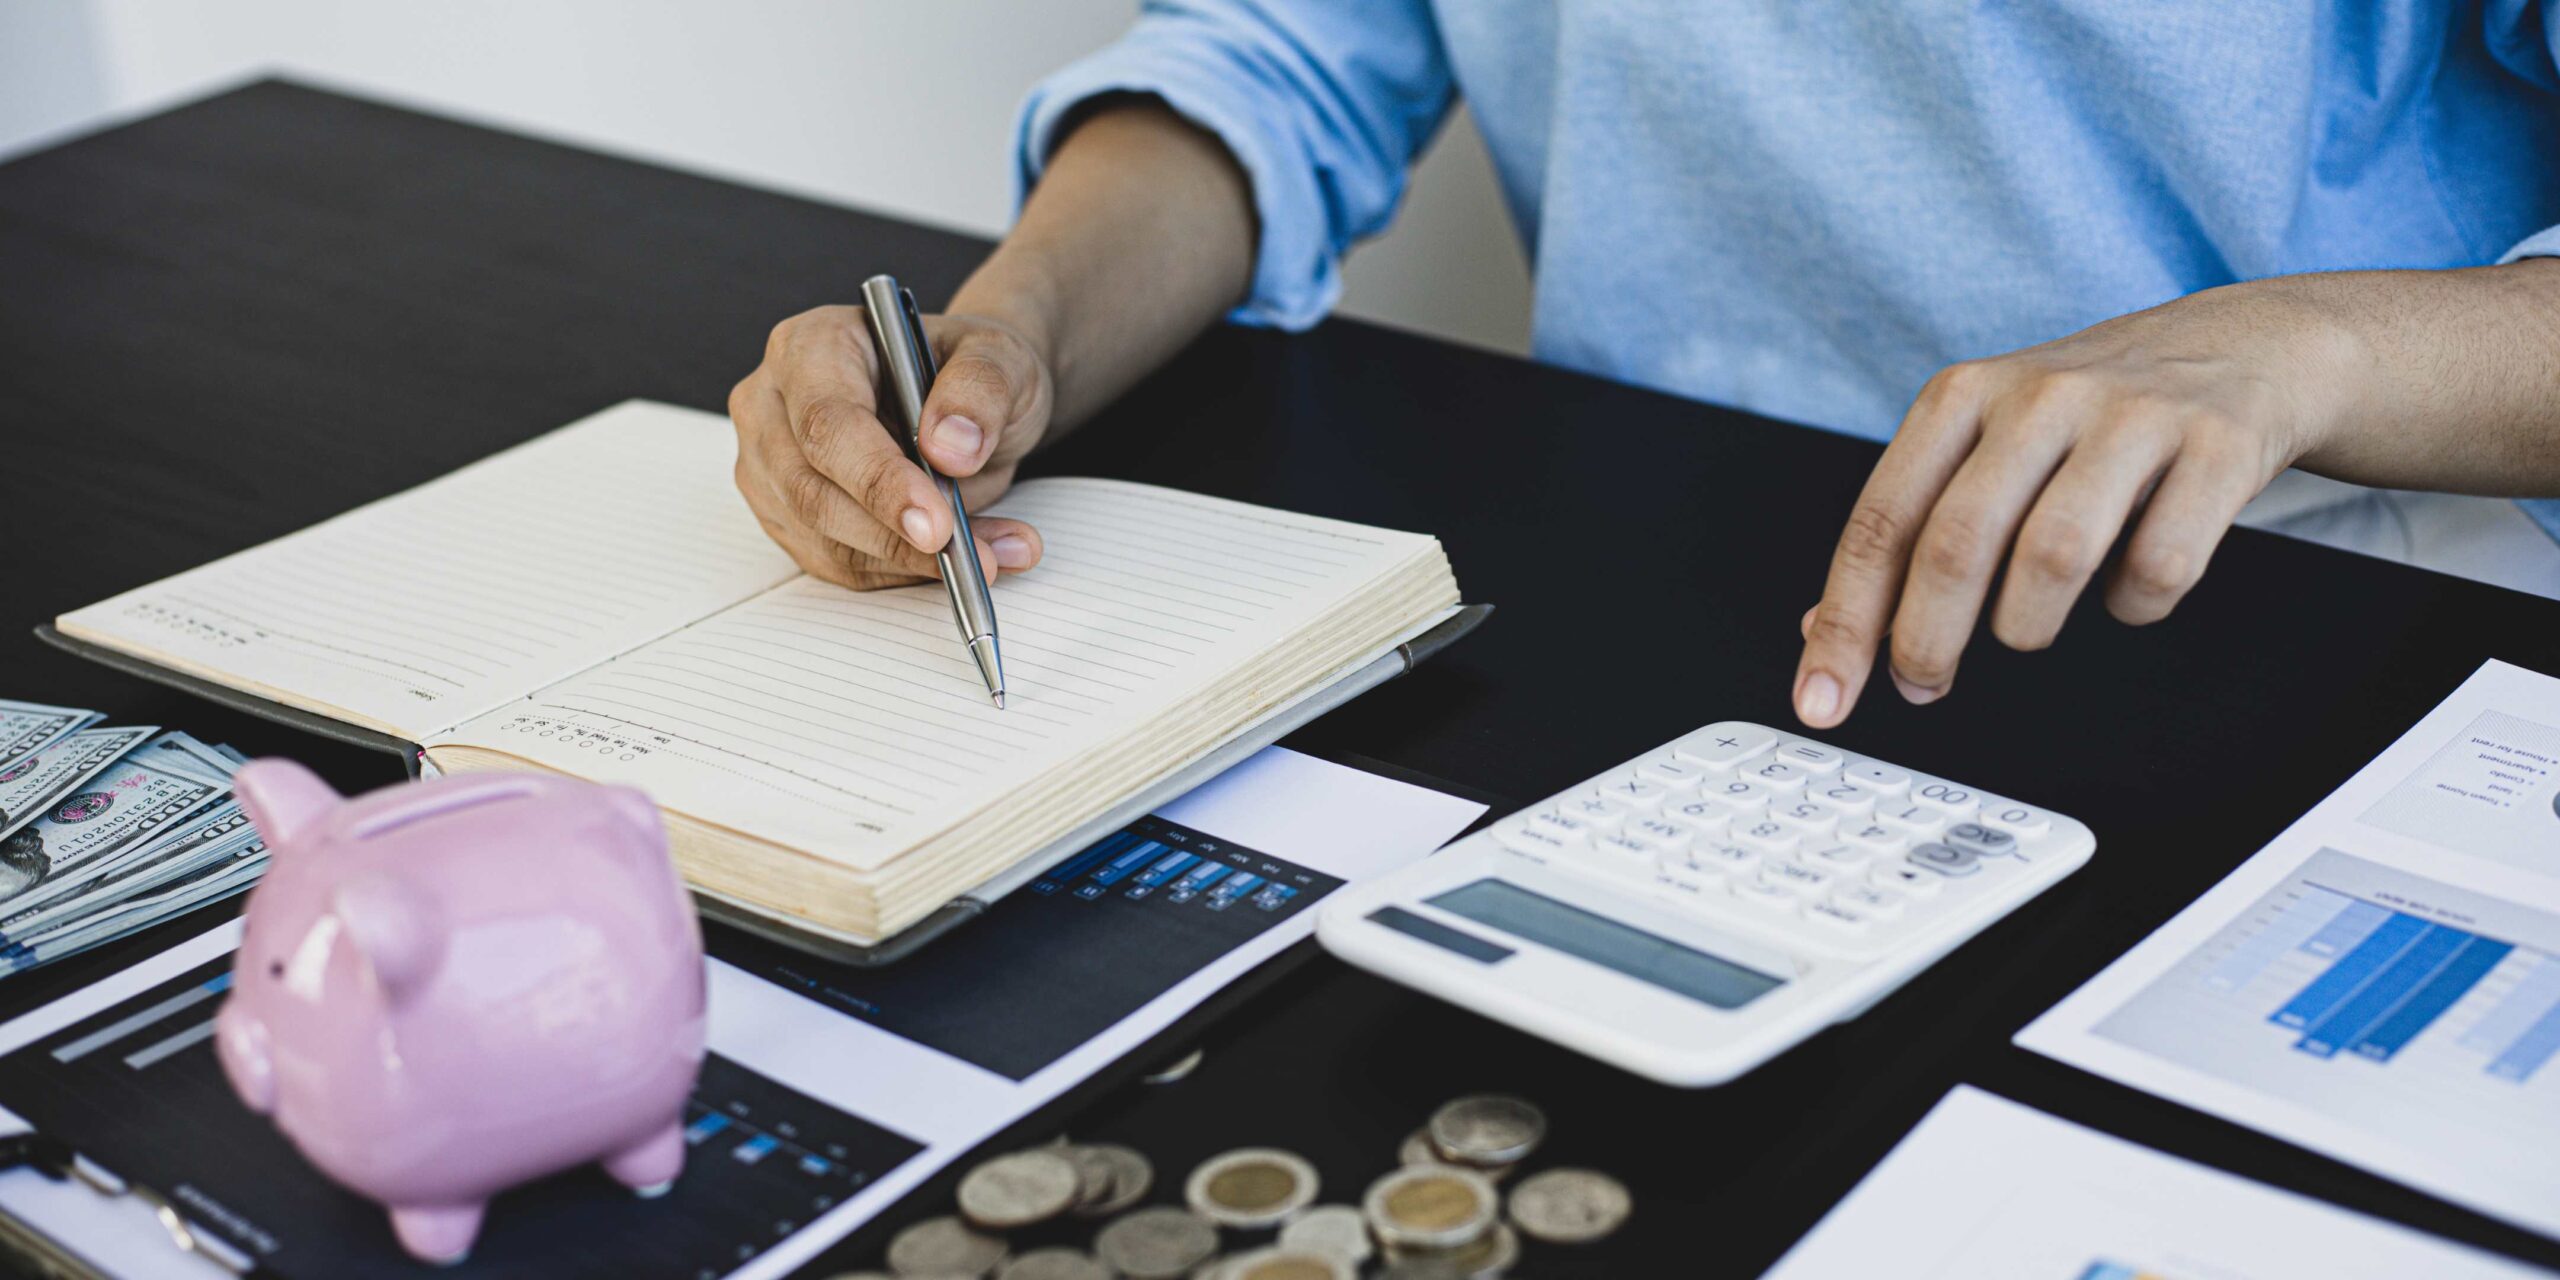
pixel 1747 825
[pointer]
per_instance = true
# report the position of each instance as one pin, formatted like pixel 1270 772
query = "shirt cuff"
pixel 1295 277
pixel 2542 244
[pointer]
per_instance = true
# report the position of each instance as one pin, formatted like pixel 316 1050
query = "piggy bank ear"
pixel 393 926
pixel 283 798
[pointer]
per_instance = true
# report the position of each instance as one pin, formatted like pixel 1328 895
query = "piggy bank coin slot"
pixel 438 806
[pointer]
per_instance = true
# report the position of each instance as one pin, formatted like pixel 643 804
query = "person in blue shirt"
pixel 2091 265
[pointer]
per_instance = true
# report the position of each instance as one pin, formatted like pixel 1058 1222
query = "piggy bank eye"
pixel 275 968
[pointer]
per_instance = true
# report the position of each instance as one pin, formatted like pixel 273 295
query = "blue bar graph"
pixel 2529 1051
pixel 711 1122
pixel 1199 878
pixel 2352 970
pixel 1233 887
pixel 2524 1004
pixel 1274 896
pixel 2397 981
pixel 754 1149
pixel 1168 868
pixel 2350 926
pixel 1068 870
pixel 2452 981
pixel 1118 869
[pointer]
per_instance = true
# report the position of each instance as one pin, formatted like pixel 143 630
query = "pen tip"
pixel 998 695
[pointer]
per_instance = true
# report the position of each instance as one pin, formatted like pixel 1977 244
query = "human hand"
pixel 831 484
pixel 2169 419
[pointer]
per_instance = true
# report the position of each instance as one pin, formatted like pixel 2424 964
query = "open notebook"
pixel 600 602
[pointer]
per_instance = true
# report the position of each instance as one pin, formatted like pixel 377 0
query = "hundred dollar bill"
pixel 179 749
pixel 119 811
pixel 214 835
pixel 29 727
pixel 43 775
pixel 211 885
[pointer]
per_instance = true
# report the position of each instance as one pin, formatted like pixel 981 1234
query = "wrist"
pixel 1013 290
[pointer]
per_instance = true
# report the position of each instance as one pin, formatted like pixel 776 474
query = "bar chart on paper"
pixel 2382 999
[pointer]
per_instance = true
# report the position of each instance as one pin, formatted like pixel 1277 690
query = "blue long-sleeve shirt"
pixel 1806 210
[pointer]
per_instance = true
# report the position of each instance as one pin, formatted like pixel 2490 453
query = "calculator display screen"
pixel 1707 979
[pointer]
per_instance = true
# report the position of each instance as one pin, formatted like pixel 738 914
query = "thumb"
pixel 972 402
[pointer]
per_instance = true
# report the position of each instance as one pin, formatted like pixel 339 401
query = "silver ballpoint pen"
pixel 909 360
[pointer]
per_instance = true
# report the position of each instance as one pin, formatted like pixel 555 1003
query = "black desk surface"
pixel 225 323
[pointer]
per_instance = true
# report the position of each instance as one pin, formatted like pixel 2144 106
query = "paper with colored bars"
pixel 2382 982
pixel 1985 1187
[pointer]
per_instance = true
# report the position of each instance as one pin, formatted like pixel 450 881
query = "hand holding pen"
pixel 833 483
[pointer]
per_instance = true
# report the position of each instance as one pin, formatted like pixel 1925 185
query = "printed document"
pixel 1985 1187
pixel 2381 983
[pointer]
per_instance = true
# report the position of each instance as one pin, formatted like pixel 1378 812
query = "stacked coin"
pixel 1437 1216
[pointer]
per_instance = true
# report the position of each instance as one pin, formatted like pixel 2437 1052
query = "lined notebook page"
pixel 416 612
pixel 852 724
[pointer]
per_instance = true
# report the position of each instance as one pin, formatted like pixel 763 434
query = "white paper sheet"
pixel 2382 982
pixel 1371 825
pixel 1984 1187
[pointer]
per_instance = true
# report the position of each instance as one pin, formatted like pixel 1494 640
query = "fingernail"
pixel 919 527
pixel 959 435
pixel 1013 551
pixel 1817 698
pixel 1915 694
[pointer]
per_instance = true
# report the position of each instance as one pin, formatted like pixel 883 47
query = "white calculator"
pixel 1693 912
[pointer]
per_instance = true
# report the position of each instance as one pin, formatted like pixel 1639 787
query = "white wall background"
pixel 901 106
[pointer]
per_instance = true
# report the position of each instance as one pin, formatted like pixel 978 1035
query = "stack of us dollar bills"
pixel 106 829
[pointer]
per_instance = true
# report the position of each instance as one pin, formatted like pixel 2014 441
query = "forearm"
pixel 2456 377
pixel 1140 235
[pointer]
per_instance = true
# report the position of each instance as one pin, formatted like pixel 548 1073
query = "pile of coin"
pixel 1439 1215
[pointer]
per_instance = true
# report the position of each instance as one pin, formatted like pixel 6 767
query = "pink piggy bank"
pixel 453 987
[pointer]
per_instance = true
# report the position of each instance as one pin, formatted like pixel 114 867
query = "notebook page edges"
pixel 852 725
pixel 417 611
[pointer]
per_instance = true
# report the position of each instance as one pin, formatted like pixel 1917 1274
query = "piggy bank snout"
pixel 240 1041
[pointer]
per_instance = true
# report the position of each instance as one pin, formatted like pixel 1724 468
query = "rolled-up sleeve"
pixel 1323 104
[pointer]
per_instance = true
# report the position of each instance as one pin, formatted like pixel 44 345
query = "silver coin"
pixel 1417 1149
pixel 1487 1259
pixel 1175 1071
pixel 1251 1188
pixel 1156 1244
pixel 1129 1175
pixel 1487 1129
pixel 1431 1206
pixel 944 1247
pixel 1336 1229
pixel 1054 1264
pixel 1570 1206
pixel 1018 1190
pixel 1280 1262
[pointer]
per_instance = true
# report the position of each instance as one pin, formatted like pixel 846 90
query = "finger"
pixel 2194 506
pixel 1848 624
pixel 2073 523
pixel 1016 546
pixel 827 399
pixel 831 561
pixel 975 397
pixel 816 504
pixel 1968 532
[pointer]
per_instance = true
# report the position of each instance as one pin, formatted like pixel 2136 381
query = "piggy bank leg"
pixel 650 1165
pixel 441 1234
